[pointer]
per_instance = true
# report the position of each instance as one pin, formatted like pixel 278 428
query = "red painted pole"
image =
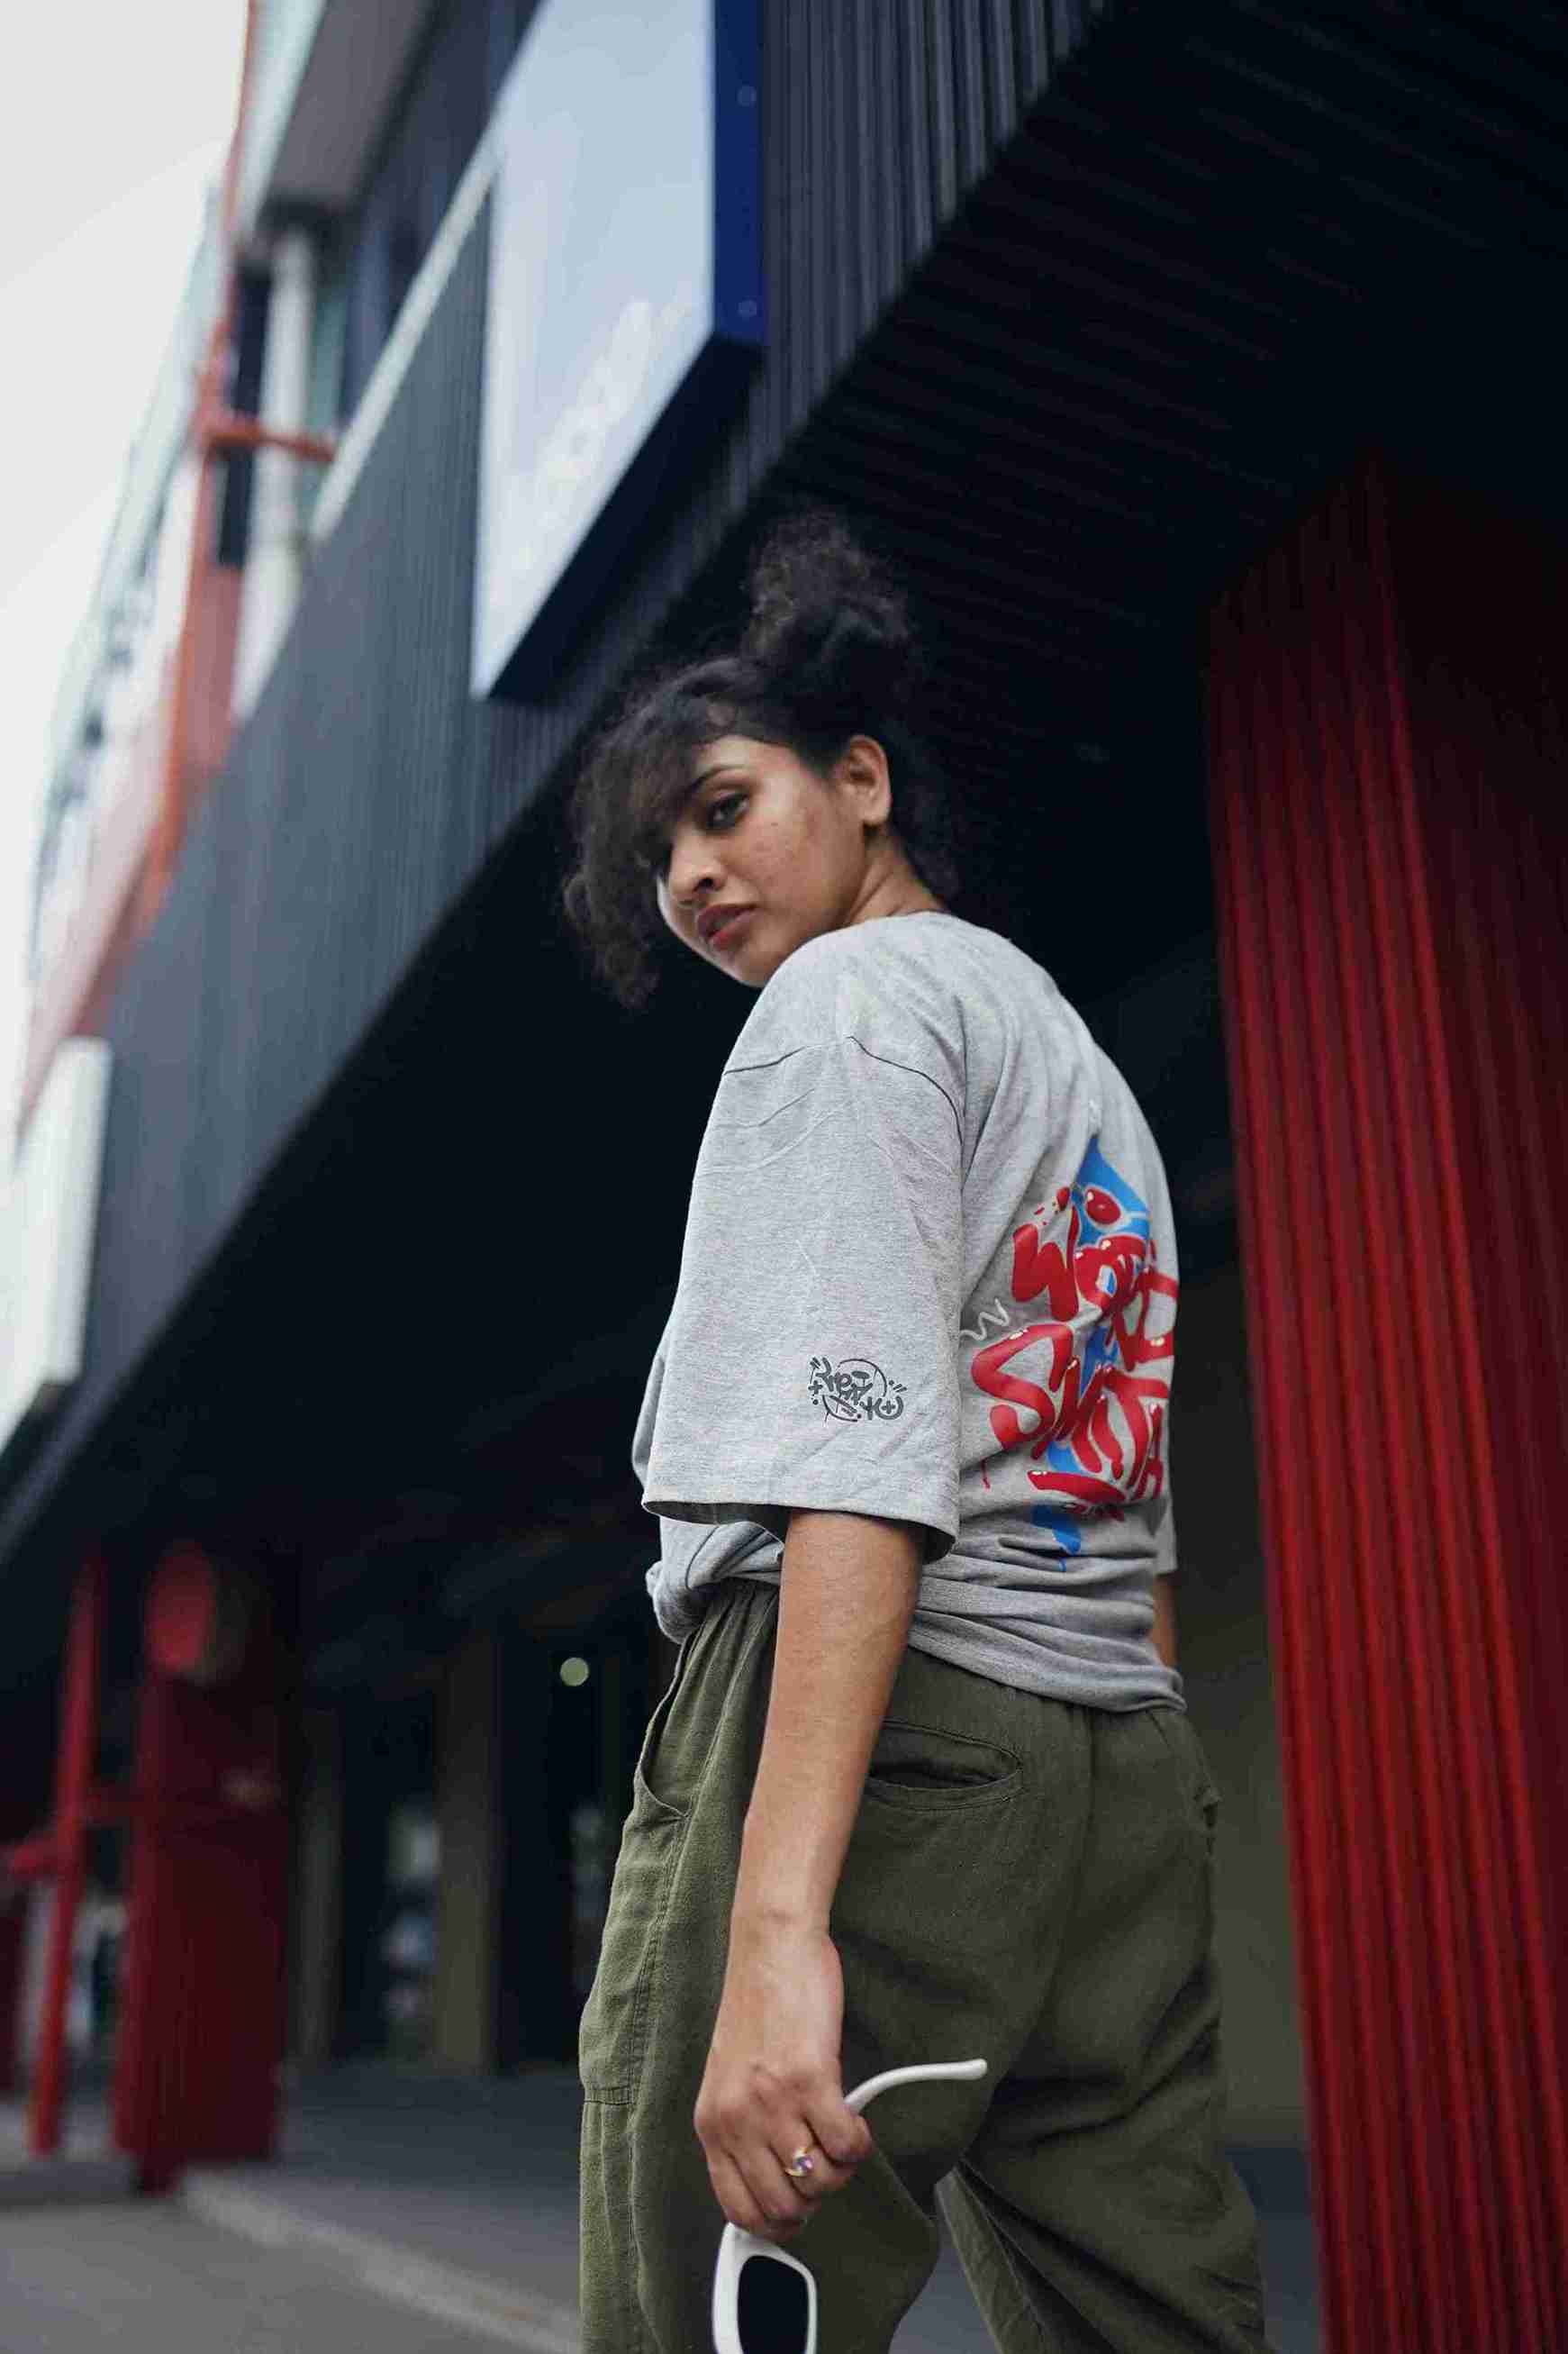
pixel 202 2017
pixel 74 1785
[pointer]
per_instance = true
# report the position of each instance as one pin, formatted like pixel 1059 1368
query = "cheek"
pixel 770 847
pixel 787 854
pixel 800 838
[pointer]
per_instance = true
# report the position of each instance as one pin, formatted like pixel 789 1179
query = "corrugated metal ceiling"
pixel 1232 243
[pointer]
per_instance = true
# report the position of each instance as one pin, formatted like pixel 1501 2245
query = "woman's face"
pixel 781 852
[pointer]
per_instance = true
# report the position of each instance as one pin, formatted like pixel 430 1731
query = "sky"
pixel 114 121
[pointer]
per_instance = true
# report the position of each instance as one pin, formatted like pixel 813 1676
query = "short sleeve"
pixel 810 1360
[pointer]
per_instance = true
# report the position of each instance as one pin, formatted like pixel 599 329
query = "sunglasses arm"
pixel 929 2074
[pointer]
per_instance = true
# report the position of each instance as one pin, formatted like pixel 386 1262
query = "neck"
pixel 897 891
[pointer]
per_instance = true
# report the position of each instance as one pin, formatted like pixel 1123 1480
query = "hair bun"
pixel 823 608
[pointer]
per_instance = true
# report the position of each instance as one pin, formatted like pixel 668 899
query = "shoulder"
pixel 929 993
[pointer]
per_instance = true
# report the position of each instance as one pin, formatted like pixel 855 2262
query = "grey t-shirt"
pixel 929 1274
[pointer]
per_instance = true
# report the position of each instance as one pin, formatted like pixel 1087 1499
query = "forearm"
pixel 846 1597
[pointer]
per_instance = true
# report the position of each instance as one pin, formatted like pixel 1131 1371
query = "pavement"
pixel 149 2274
pixel 404 2211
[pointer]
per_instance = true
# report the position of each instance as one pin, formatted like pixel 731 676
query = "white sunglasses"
pixel 769 2305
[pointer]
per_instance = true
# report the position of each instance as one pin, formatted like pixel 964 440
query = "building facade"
pixel 1186 359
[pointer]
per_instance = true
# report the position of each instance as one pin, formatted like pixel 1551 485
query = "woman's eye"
pixel 720 813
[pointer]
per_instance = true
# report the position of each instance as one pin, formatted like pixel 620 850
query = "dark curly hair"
pixel 831 653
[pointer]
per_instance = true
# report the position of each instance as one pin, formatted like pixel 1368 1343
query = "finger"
pixel 844 2139
pixel 773 2212
pixel 731 2190
pixel 823 2176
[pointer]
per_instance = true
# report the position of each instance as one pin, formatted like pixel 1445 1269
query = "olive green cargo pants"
pixel 1026 1879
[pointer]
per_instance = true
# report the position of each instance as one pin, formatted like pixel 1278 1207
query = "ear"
pixel 861 769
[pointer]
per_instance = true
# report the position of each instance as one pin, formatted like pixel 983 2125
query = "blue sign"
pixel 625 301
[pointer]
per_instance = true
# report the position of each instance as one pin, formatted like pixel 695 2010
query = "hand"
pixel 774 2080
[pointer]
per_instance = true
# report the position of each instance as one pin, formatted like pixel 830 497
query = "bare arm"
pixel 774 2078
pixel 846 1598
pixel 1164 1628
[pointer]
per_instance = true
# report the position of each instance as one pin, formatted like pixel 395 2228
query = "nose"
pixel 694 874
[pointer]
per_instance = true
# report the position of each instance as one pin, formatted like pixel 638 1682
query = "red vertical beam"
pixel 1360 1705
pixel 1429 2014
pixel 1390 831
pixel 202 2020
pixel 1256 1024
pixel 181 783
pixel 1495 1808
pixel 73 1784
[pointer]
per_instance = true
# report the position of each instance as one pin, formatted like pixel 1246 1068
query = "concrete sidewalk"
pixel 456 2201
pixel 146 2276
pixel 457 2197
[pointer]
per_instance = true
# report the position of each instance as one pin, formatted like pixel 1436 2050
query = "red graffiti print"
pixel 1108 1270
pixel 1088 1494
pixel 1086 1426
pixel 987 1373
pixel 1137 1344
pixel 1065 1409
pixel 1107 1423
pixel 1039 1265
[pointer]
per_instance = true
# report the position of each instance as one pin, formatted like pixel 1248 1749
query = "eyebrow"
pixel 718 770
pixel 696 785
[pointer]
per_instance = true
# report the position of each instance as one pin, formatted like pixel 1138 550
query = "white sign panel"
pixel 625 301
pixel 47 1227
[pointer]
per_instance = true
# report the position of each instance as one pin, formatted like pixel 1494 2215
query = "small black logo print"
pixel 854 1390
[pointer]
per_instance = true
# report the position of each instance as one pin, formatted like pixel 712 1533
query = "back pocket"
pixel 927 1765
pixel 1180 1735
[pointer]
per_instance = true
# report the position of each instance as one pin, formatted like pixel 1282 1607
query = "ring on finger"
pixel 802 2164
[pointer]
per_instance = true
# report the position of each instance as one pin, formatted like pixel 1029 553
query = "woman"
pixel 922 1783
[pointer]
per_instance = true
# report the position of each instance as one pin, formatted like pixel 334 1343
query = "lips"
pixel 719 923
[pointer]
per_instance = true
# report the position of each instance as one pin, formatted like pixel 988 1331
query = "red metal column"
pixel 1385 710
pixel 202 2017
pixel 73 1790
